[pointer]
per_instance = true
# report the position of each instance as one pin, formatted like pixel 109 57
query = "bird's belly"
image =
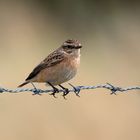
pixel 62 76
pixel 58 74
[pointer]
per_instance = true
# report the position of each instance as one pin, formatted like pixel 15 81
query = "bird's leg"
pixel 65 91
pixel 55 90
pixel 36 91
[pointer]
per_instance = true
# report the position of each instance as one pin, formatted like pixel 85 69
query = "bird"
pixel 58 67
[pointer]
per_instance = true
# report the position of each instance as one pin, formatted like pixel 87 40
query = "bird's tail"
pixel 26 82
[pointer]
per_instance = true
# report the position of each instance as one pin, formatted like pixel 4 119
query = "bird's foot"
pixel 65 91
pixel 55 90
pixel 76 90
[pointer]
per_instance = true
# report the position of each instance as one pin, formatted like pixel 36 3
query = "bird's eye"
pixel 68 46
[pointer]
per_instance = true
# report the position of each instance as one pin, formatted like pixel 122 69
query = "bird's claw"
pixel 76 90
pixel 55 90
pixel 65 92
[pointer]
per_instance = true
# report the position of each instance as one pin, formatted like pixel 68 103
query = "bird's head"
pixel 71 46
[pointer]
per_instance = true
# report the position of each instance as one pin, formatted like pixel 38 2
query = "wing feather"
pixel 53 59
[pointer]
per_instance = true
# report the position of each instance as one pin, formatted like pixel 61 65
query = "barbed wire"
pixel 75 89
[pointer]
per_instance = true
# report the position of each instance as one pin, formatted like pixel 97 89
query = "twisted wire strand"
pixel 77 89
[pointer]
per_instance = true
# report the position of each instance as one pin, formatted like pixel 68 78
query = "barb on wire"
pixel 76 90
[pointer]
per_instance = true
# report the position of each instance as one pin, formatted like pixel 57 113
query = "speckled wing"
pixel 53 59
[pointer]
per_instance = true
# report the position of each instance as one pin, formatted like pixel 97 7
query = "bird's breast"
pixel 61 72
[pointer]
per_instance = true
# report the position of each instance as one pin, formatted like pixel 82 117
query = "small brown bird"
pixel 59 67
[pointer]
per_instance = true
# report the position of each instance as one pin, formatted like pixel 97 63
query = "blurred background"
pixel 110 34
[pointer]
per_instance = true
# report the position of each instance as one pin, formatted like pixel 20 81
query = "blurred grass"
pixel 110 34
